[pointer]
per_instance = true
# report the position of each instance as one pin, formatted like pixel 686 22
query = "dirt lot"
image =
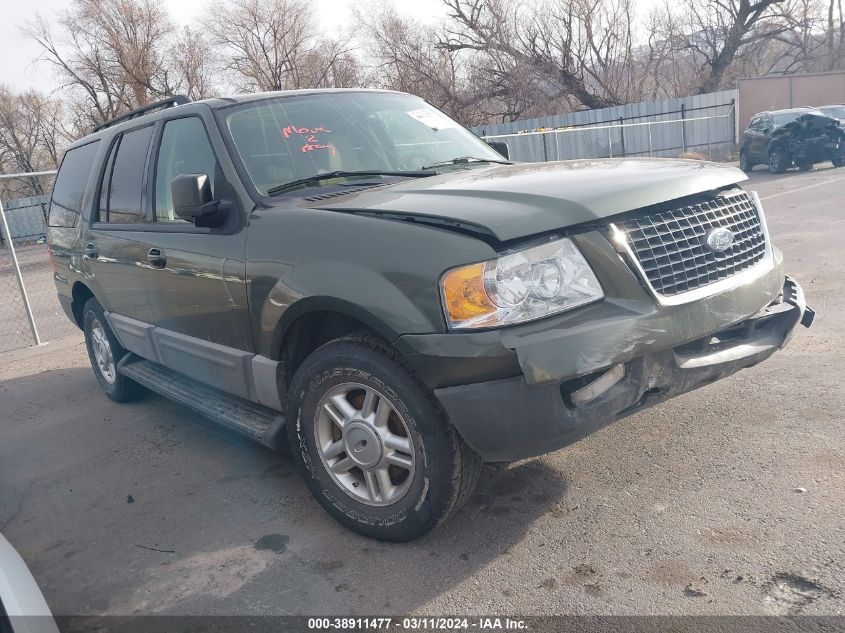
pixel 725 501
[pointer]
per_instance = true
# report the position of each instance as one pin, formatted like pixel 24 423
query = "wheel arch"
pixel 80 293
pixel 779 143
pixel 314 321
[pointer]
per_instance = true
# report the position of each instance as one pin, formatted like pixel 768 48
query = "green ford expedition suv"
pixel 355 276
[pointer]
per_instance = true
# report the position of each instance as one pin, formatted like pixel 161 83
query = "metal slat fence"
pixel 705 124
pixel 30 313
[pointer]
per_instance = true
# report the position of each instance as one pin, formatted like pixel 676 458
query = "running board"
pixel 258 422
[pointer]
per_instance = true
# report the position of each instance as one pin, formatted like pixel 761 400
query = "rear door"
pixel 112 248
pixel 66 210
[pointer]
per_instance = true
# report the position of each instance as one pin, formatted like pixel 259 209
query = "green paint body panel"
pixel 516 201
pixel 377 254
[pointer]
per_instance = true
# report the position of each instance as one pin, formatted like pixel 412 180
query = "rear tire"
pixel 105 353
pixel 778 161
pixel 373 444
pixel 839 162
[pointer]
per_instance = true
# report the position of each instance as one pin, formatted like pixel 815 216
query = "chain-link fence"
pixel 30 313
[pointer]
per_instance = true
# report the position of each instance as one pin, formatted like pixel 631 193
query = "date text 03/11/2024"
pixel 417 623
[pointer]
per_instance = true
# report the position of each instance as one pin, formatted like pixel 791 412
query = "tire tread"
pixel 466 464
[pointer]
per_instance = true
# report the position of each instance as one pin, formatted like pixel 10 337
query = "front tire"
pixel 778 161
pixel 373 444
pixel 105 353
pixel 745 163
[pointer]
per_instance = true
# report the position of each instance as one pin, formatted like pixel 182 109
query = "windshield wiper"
pixel 316 178
pixel 464 160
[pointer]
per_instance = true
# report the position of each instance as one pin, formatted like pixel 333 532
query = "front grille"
pixel 672 249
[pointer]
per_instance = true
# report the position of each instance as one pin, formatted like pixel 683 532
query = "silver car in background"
pixel 22 606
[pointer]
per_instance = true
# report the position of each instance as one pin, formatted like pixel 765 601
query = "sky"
pixel 17 53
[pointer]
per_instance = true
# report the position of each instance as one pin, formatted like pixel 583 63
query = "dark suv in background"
pixel 356 276
pixel 783 138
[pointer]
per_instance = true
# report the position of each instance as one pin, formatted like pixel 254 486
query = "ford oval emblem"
pixel 720 239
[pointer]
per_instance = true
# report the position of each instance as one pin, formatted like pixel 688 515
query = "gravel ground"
pixel 728 500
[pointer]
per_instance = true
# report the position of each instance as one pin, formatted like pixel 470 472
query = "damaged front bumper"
pixel 535 413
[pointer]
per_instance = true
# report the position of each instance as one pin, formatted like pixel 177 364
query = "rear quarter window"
pixel 71 182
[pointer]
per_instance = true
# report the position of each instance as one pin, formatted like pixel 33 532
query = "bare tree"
pixel 195 63
pixel 571 48
pixel 275 45
pixel 31 138
pixel 489 60
pixel 405 56
pixel 835 36
pixel 714 35
pixel 116 55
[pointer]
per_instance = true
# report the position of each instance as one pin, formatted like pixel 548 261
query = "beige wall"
pixel 791 91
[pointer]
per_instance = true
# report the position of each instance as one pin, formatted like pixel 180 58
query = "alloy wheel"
pixel 365 444
pixel 102 352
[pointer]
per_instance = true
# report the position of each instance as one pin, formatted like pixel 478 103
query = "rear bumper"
pixel 509 419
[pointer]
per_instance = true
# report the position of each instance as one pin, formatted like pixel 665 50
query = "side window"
pixel 125 178
pixel 69 189
pixel 185 149
pixel 756 124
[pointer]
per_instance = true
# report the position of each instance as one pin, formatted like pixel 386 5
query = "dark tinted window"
pixel 185 149
pixel 127 177
pixel 103 214
pixel 761 123
pixel 70 185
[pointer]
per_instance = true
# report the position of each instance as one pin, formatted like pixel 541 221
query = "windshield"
pixel 788 117
pixel 836 111
pixel 290 138
pixel 783 119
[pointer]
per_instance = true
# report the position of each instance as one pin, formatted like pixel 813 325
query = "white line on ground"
pixel 817 184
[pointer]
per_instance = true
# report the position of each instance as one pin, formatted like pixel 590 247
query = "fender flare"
pixel 316 304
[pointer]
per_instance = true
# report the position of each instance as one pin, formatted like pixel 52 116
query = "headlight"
pixel 519 286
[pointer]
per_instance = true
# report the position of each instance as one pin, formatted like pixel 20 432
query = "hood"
pixel 514 201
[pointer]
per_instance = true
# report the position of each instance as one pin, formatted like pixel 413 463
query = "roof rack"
pixel 170 102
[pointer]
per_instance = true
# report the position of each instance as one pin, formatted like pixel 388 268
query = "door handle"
pixel 156 258
pixel 91 251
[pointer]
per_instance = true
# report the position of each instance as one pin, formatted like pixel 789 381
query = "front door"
pixel 760 146
pixel 195 277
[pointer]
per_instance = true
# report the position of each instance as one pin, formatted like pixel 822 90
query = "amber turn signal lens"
pixel 464 295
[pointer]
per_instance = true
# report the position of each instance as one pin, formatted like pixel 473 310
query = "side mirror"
pixel 501 147
pixel 192 200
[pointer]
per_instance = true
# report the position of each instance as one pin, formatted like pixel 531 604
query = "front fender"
pixel 384 273
pixel 341 288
